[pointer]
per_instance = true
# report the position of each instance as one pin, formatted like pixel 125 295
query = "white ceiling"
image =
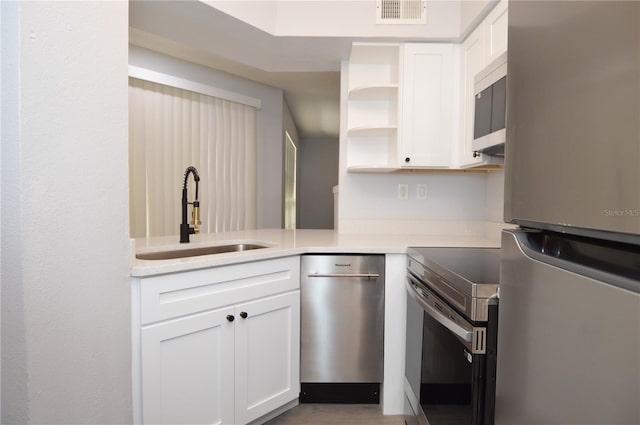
pixel 305 62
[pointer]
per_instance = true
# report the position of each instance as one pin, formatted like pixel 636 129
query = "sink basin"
pixel 193 252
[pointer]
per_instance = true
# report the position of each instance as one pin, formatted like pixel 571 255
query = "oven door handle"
pixel 458 330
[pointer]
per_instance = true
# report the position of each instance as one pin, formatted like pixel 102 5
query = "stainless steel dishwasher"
pixel 342 328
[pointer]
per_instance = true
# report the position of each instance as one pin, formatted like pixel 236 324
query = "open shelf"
pixel 372 168
pixel 372 107
pixel 367 131
pixel 374 92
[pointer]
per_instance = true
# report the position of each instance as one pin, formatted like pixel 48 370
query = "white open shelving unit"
pixel 372 107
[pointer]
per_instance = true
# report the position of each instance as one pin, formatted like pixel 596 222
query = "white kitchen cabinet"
pixel 218 345
pixel 427 105
pixel 472 61
pixel 267 355
pixel 400 106
pixel 480 48
pixel 411 105
pixel 188 370
pixel 495 29
pixel 372 107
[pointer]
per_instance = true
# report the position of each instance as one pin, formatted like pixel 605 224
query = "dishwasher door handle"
pixel 369 275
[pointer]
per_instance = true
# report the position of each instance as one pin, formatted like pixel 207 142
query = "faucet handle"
pixel 195 217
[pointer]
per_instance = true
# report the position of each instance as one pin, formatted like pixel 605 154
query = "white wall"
pixel 495 196
pixel 13 366
pixel 65 246
pixel 260 14
pixel 471 14
pixel 317 175
pixel 340 18
pixel 270 123
pixel 454 202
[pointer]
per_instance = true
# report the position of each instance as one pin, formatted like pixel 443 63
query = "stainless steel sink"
pixel 193 252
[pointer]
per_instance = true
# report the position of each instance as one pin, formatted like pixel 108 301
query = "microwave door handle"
pixel 438 316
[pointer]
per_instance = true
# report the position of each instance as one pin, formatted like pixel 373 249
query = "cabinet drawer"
pixel 179 294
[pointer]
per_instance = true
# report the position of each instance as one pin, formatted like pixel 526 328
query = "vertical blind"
pixel 171 129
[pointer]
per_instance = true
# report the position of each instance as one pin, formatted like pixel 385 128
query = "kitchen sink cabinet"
pixel 267 355
pixel 226 352
pixel 188 370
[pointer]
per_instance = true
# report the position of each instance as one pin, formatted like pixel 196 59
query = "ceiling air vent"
pixel 401 12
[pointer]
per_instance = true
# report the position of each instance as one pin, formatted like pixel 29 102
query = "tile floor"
pixel 336 414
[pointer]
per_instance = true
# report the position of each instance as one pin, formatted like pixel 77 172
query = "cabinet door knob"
pixel 476 154
pixel 407 159
pixel 230 317
pixel 243 314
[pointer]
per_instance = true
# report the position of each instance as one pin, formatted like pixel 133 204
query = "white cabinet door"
pixel 495 31
pixel 472 61
pixel 267 355
pixel 427 87
pixel 187 370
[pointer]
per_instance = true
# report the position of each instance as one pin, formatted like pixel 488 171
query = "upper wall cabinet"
pixel 411 105
pixel 481 47
pixel 427 105
pixel 400 111
pixel 372 107
pixel 495 28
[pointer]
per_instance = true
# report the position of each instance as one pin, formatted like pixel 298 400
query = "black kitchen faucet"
pixel 185 229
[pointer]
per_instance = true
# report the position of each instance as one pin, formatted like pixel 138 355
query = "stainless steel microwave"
pixel 489 122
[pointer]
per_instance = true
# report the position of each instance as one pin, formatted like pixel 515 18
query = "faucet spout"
pixel 185 229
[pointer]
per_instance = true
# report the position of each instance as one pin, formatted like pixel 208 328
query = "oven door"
pixel 445 361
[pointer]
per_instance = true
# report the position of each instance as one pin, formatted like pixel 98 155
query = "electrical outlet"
pixel 403 191
pixel 421 192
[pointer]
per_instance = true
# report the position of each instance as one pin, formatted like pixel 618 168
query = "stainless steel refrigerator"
pixel 569 323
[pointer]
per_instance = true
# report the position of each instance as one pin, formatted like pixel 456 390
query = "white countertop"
pixel 283 243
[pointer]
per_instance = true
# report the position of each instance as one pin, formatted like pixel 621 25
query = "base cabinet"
pixel 228 366
pixel 188 370
pixel 217 346
pixel 267 355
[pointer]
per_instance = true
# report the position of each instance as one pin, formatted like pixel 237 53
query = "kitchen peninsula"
pixel 191 319
pixel 282 243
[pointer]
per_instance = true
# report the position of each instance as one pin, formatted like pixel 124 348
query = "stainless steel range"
pixel 452 312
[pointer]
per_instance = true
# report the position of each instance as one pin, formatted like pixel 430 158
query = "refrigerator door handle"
pixel 608 262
